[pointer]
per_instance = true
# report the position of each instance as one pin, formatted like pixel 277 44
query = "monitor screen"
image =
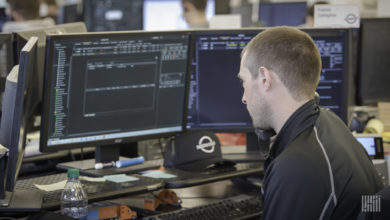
pixel 113 87
pixel 168 14
pixel 374 74
pixel 113 15
pixel 282 13
pixel 335 85
pixel 368 144
pixel 215 91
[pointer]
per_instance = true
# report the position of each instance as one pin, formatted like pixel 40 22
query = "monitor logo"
pixel 351 18
pixel 371 203
pixel 118 141
pixel 206 144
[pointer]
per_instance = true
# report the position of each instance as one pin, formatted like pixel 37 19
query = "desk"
pixel 191 196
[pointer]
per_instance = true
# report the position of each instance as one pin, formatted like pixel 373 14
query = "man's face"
pixel 253 97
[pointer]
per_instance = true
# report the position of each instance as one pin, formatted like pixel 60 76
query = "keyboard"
pixel 237 207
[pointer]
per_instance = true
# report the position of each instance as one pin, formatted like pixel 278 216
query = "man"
pixel 194 12
pixel 316 169
pixel 25 15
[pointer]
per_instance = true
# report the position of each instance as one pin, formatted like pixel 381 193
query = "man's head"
pixel 194 11
pixel 22 10
pixel 279 62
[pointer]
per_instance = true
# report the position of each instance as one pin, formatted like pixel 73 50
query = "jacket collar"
pixel 303 118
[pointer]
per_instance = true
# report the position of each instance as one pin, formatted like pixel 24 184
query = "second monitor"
pixel 215 91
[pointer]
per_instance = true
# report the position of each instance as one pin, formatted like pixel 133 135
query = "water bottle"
pixel 74 201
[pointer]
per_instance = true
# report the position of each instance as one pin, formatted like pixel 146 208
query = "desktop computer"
pixel 105 89
pixel 282 13
pixel 215 91
pixel 374 62
pixel 16 121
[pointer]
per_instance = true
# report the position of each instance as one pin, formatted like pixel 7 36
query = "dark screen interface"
pixel 119 86
pixel 216 92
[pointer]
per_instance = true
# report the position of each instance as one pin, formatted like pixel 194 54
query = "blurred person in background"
pixel 194 12
pixel 25 16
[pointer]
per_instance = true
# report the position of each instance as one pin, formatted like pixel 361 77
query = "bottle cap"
pixel 73 173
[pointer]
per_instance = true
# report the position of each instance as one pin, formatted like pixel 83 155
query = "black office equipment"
pixel 113 87
pixel 236 207
pixel 336 87
pixel 374 65
pixel 215 91
pixel 282 13
pixel 113 15
pixel 373 144
pixel 68 13
pixel 15 125
pixel 6 60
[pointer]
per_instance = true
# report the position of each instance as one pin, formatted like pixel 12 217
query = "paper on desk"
pixel 92 179
pixel 52 187
pixel 61 185
pixel 158 174
pixel 120 178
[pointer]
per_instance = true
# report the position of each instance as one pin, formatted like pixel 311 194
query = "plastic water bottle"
pixel 74 201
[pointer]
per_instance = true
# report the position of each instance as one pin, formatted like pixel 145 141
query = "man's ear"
pixel 265 77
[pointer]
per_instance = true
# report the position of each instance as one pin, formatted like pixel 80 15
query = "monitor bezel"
pixel 22 113
pixel 347 87
pixel 47 80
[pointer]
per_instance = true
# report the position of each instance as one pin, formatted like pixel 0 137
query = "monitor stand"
pixel 106 154
pixel 21 201
pixel 103 154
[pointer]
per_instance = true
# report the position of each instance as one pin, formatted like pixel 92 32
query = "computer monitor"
pixel 113 15
pixel 282 13
pixel 215 91
pixel 6 60
pixel 113 87
pixel 68 13
pixel 335 87
pixel 374 65
pixel 15 124
pixel 168 14
pixel 22 37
